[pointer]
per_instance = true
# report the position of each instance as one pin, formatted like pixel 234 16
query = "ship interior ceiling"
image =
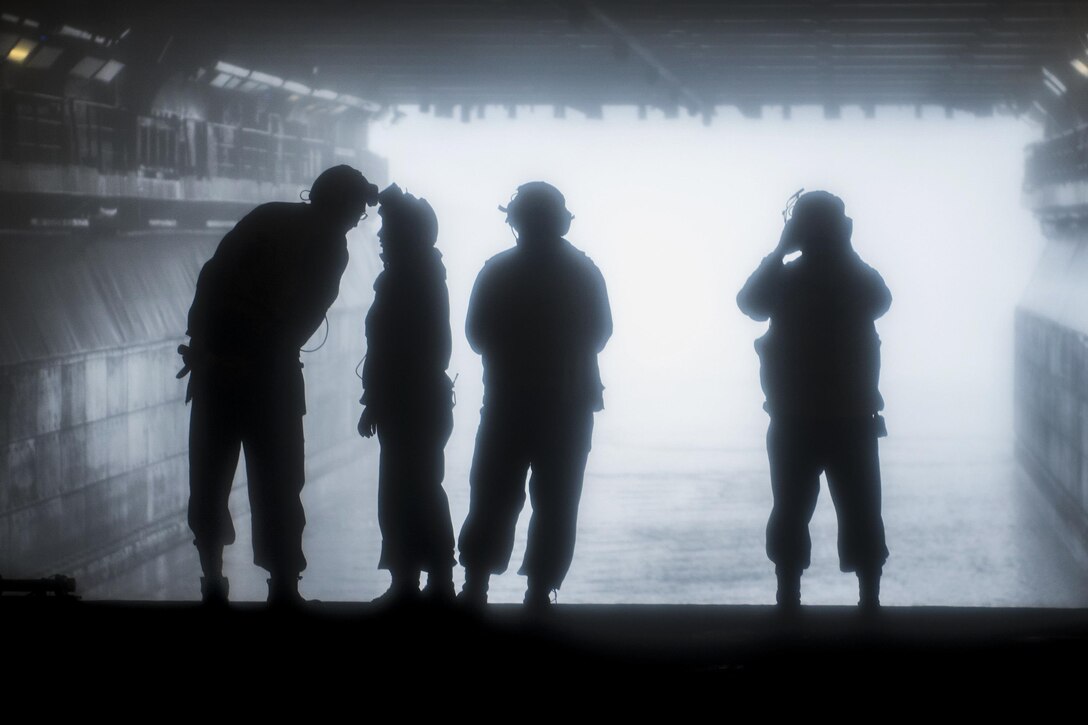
pixel 133 135
pixel 691 56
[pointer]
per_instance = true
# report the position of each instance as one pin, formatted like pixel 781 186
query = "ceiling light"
pixel 232 69
pixel 22 49
pixel 265 78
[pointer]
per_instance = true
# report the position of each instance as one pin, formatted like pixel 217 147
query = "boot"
pixel 869 590
pixel 474 592
pixel 214 587
pixel 439 589
pixel 214 591
pixel 538 598
pixel 788 596
pixel 283 591
pixel 403 590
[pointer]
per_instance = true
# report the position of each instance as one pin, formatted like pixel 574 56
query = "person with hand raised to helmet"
pixel 819 367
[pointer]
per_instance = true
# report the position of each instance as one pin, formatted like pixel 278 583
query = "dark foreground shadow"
pixel 320 645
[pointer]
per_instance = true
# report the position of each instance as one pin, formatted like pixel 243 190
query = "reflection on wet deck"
pixel 686 526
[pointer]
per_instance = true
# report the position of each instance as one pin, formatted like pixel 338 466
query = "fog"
pixel 677 214
pixel 131 171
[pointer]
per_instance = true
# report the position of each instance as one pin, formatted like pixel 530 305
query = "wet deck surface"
pixel 670 587
pixel 686 526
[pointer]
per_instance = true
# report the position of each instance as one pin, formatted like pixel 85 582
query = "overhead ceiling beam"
pixel 686 95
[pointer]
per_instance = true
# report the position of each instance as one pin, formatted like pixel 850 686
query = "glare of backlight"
pixel 677 215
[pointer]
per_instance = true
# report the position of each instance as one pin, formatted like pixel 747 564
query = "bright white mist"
pixel 677 214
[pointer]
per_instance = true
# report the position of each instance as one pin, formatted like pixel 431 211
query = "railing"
pixel 99 135
pixel 36 128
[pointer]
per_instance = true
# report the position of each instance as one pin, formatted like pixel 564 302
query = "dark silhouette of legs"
pixel 500 464
pixel 555 444
pixel 853 478
pixel 795 486
pixel 227 417
pixel 413 509
pixel 555 490
pixel 846 449
pixel 275 463
pixel 215 442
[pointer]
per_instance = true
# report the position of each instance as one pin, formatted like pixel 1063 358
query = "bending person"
pixel 263 293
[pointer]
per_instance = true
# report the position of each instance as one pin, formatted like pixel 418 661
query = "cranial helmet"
pixel 407 218
pixel 821 214
pixel 818 207
pixel 536 202
pixel 342 186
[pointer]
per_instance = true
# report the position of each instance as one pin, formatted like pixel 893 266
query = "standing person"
pixel 409 400
pixel 258 300
pixel 820 363
pixel 538 315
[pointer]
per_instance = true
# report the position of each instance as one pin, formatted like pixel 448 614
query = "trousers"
pixel 554 441
pixel 413 510
pixel 845 450
pixel 261 413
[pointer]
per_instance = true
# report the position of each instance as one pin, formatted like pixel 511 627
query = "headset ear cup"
pixel 565 218
pixel 529 197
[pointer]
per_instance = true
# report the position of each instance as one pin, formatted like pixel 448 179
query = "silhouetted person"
pixel 258 300
pixel 820 363
pixel 538 315
pixel 408 399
